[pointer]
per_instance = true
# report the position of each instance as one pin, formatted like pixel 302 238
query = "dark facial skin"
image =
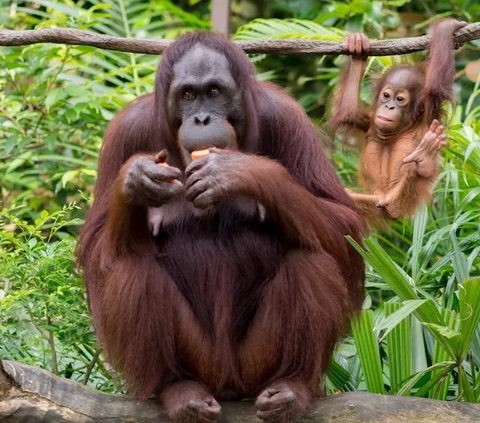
pixel 394 102
pixel 205 105
pixel 205 110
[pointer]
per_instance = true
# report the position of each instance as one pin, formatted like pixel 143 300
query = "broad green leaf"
pixel 459 260
pixel 419 351
pixel 367 347
pixel 53 97
pixel 399 314
pixel 398 345
pixel 407 386
pixel 466 389
pixel 68 177
pixel 287 28
pixel 438 379
pixel 386 267
pixel 451 340
pixel 440 355
pixel 396 278
pixel 469 295
pixel 10 143
pixel 420 222
pixel 339 377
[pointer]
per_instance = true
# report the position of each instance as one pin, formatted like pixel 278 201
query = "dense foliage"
pixel 419 333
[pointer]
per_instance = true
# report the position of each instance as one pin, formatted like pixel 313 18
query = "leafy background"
pixel 419 331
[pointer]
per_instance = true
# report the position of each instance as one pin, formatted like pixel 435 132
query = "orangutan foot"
pixel 283 402
pixel 190 402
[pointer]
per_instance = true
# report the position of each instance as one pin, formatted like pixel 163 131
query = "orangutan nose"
pixel 202 119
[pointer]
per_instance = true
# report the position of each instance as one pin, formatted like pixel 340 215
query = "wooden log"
pixel 280 46
pixel 29 394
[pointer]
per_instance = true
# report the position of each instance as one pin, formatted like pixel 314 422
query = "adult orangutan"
pixel 400 134
pixel 248 281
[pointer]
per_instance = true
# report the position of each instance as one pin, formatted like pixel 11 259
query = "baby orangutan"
pixel 400 136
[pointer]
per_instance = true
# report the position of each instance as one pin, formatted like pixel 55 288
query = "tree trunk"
pixel 220 16
pixel 32 395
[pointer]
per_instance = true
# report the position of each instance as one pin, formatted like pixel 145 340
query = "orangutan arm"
pixel 304 218
pixel 347 112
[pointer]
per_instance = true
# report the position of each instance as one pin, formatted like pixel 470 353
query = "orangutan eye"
pixel 188 95
pixel 213 91
pixel 386 95
pixel 400 98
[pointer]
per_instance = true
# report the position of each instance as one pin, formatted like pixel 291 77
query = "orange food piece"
pixel 199 154
pixel 165 164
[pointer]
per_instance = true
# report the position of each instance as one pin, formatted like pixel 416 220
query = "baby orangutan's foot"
pixel 190 402
pixel 283 402
pixel 390 207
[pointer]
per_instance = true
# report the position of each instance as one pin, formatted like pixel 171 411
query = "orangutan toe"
pixel 205 410
pixel 279 405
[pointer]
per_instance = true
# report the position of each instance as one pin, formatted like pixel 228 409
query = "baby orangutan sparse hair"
pixel 400 135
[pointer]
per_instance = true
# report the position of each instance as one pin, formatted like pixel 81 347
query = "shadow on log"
pixel 29 394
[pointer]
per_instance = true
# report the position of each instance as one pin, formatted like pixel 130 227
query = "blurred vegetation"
pixel 419 334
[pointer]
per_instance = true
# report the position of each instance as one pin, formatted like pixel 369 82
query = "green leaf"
pixel 53 97
pixel 340 378
pixel 439 379
pixel 398 345
pixel 395 318
pixel 469 297
pixel 367 348
pixel 466 389
pixel 336 10
pixel 69 176
pixel 71 114
pixel 450 339
pixel 385 267
pixel 459 260
pixel 419 226
pixel 359 6
pixel 287 28
pixel 440 354
pixel 10 143
pixel 419 352
pixel 396 278
pixel 407 386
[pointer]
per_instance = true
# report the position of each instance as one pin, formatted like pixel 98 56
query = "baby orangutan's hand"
pixel 426 154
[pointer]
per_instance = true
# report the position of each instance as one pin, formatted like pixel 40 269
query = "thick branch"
pixel 280 46
pixel 38 396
